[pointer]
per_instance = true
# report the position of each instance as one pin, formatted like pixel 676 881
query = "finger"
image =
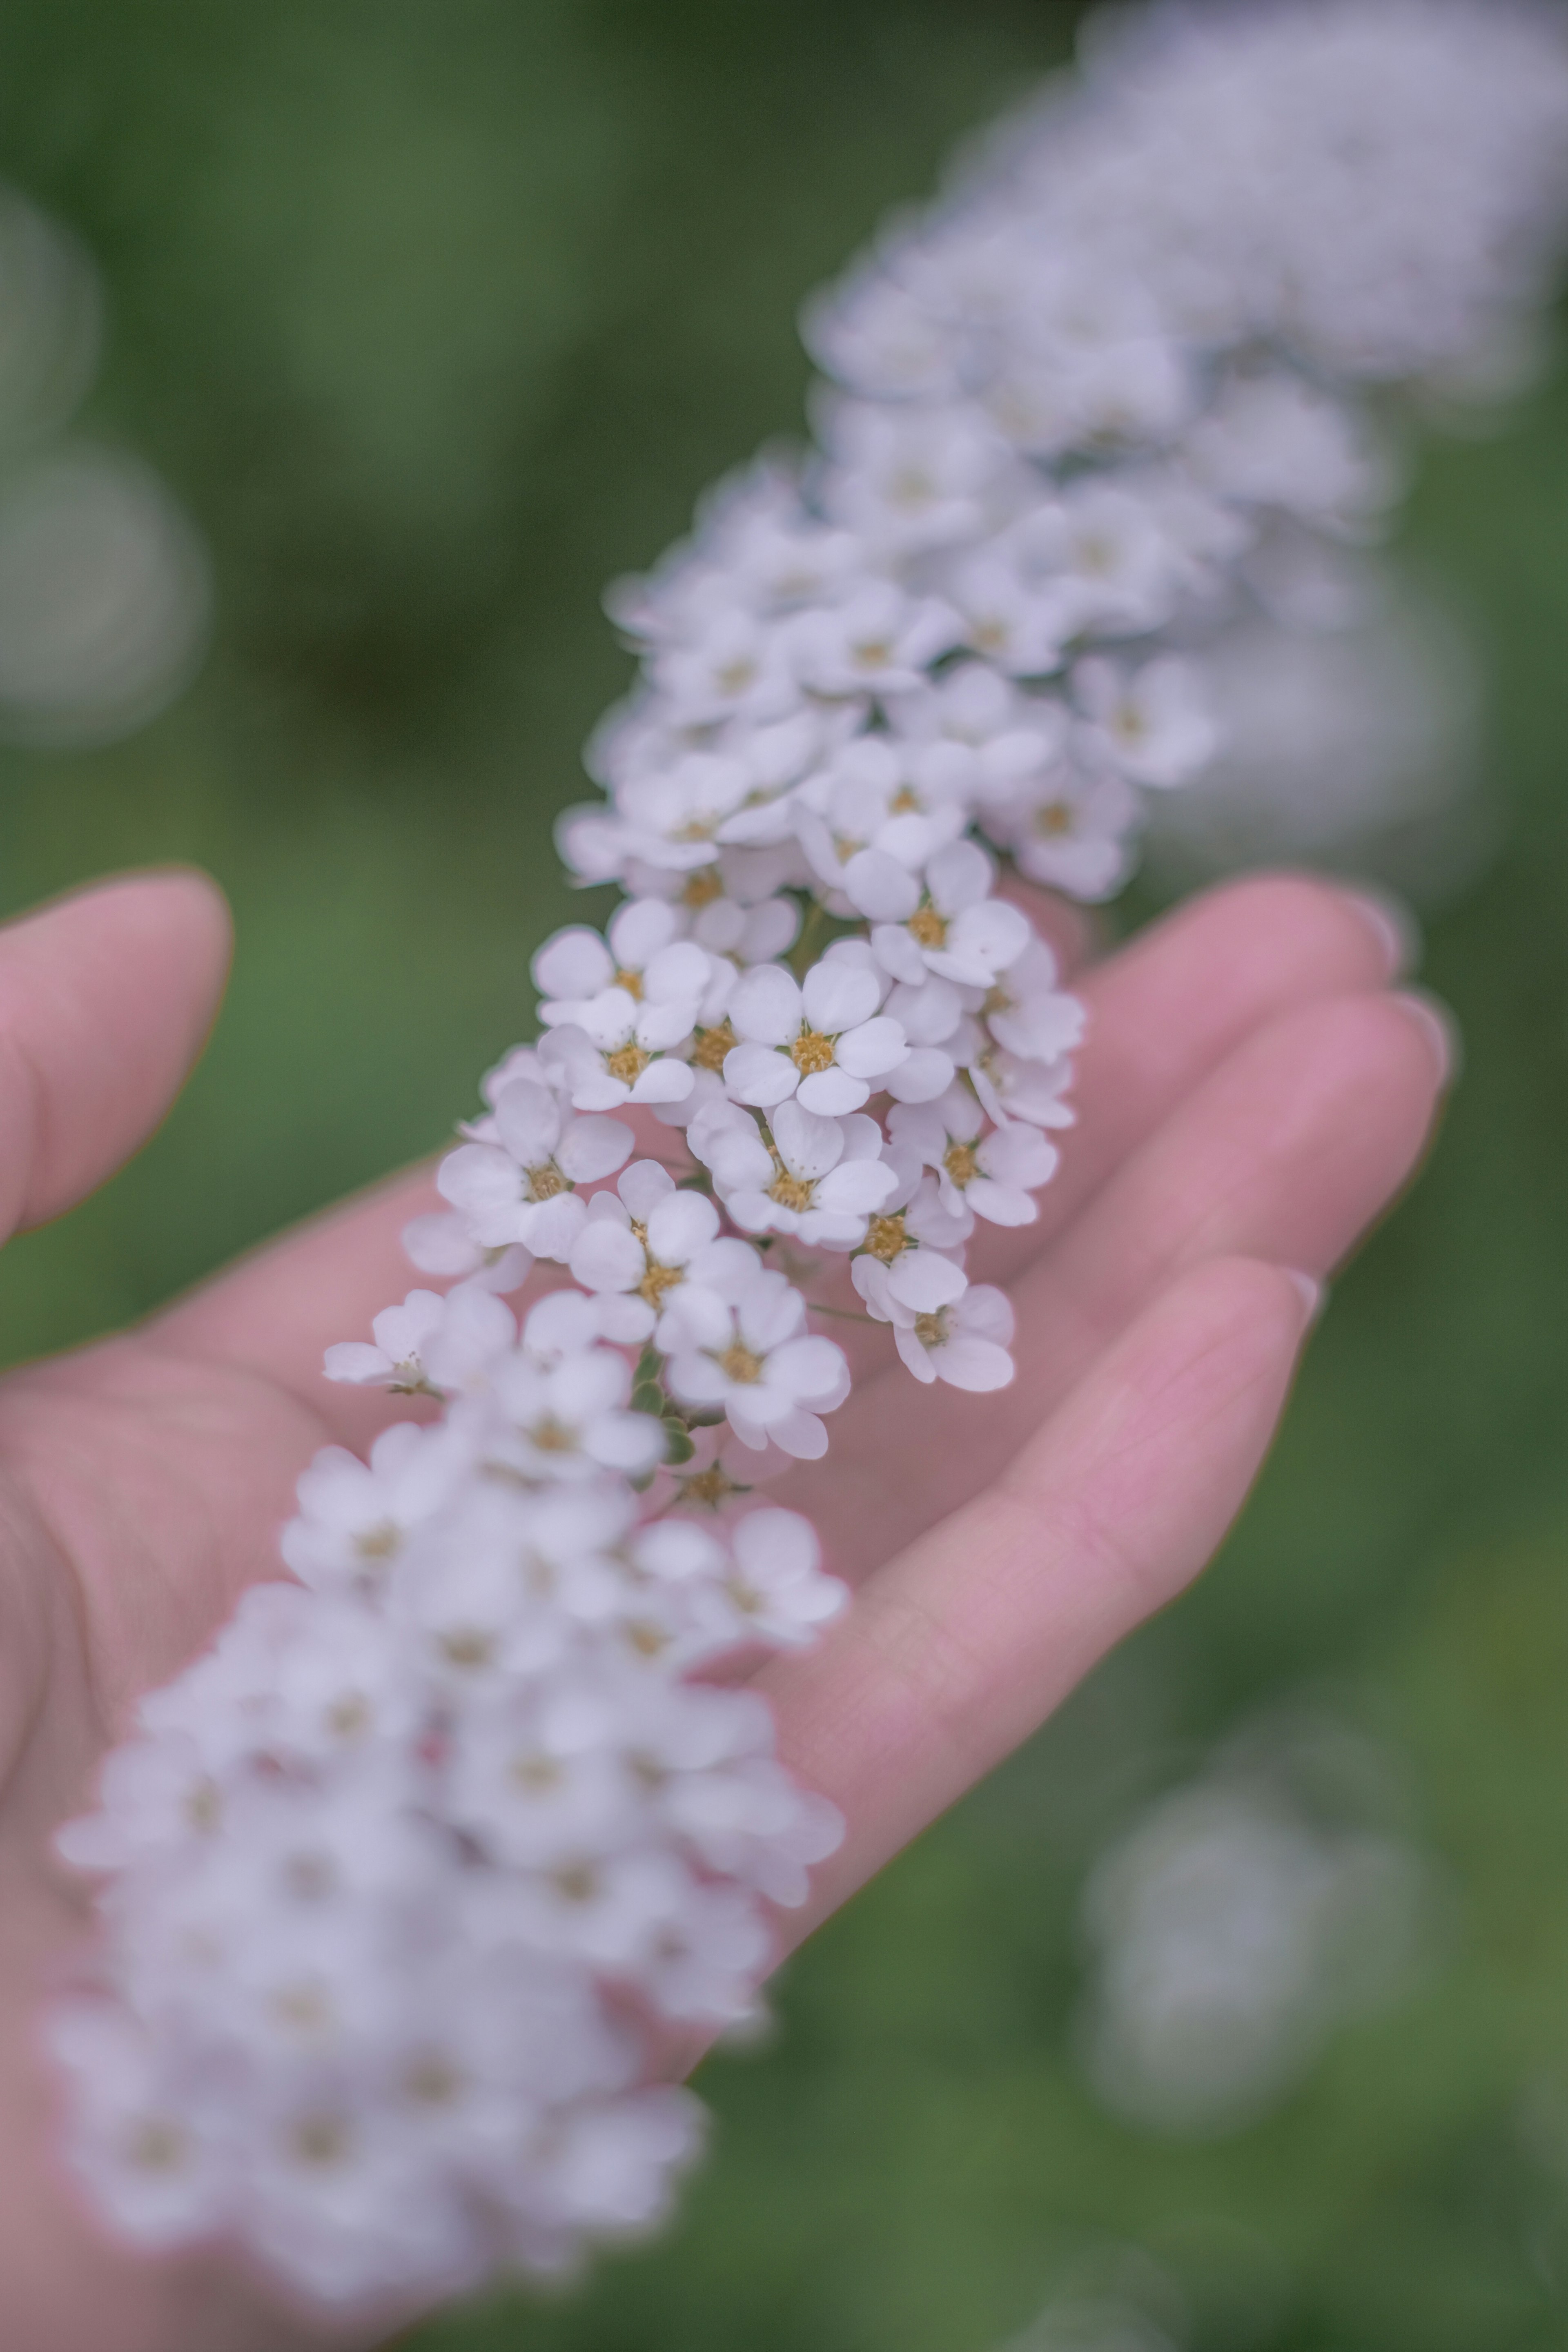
pixel 1286 1152
pixel 1171 1006
pixel 957 1650
pixel 106 1000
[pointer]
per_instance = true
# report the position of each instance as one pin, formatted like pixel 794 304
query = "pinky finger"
pixel 958 1649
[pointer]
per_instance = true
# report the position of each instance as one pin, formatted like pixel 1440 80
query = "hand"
pixel 1251 1095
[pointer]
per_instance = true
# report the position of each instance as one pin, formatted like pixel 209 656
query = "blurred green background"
pixel 435 317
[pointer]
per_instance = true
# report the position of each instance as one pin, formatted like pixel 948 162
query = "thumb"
pixel 105 1002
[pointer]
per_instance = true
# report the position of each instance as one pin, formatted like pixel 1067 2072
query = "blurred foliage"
pixel 436 318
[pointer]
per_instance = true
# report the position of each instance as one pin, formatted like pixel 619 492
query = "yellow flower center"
pixel 628 1063
pixel 631 982
pixel 905 802
pixel 713 1044
pixel 156 2146
pixel 536 1775
pixel 812 1052
pixel 658 1280
pixel 551 1436
pixel 790 1192
pixel 927 928
pixel 467 1650
pixel 577 1881
pixel 961 1163
pixel 709 1488
pixel 738 1363
pixel 203 1806
pixel 930 1330
pixel 545 1181
pixel 885 1238
pixel 378 1543
pixel 348 1716
pixel 321 2139
pixel 432 2081
pixel 703 888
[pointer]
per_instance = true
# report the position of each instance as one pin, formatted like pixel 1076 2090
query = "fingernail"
pixel 1314 1294
pixel 1392 924
pixel 1439 1028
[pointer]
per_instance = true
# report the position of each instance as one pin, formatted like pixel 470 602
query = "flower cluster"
pixel 1108 399
pixel 400 1879
pixel 396 1870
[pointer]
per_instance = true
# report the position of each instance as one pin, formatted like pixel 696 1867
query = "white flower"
pixel 965 1342
pixel 429 1345
pixel 823 1040
pixel 909 479
pixel 1153 723
pixel 613 1051
pixel 568 1421
pixel 953 927
pixel 880 641
pixel 1276 440
pixel 1027 1013
pixel 642 954
pixel 522 1186
pixel 440 1243
pixel 895 1275
pixel 987 1175
pixel 646 1240
pixel 772 1377
pixel 818 1179
pixel 355 1517
pixel 1069 824
pixel 775 1585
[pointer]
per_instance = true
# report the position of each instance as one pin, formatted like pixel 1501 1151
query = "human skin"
pixel 1254 1091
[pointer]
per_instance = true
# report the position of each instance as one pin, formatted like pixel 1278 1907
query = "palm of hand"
pixel 1251 1095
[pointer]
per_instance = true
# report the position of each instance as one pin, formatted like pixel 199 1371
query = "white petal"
pixel 917 1358
pixel 923 1280
pixel 642 1187
pixel 638 931
pixel 959 876
pixel 987 1312
pixel 776 1543
pixel 897 953
pixel 994 933
pixel 606 1257
pixel 880 887
pixel 873 1049
pixel 799 1434
pixel 527 1120
pixel 663 1081
pixel 766 1005
pixel 837 995
pixel 676 972
pixel 1000 1204
pixel 593 1147
pixel 661 1026
pixel 810 1144
pixel 810 1371
pixel 829 1093
pixel 924 1073
pixel 979 1365
pixel 549 1228
pixel 856 1188
pixel 759 1075
pixel 679 1225
pixel 575 962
